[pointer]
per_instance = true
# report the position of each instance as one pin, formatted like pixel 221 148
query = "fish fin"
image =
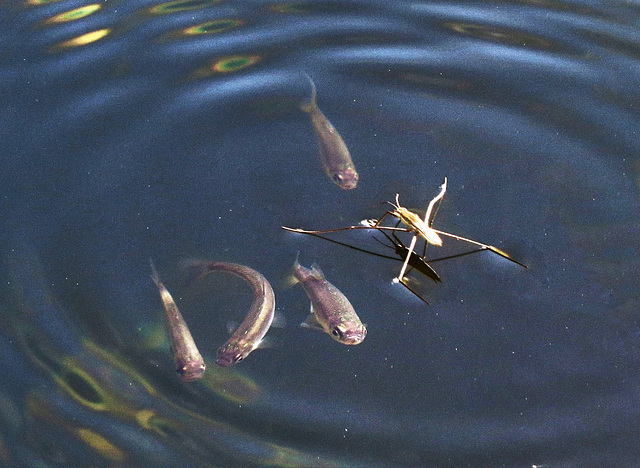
pixel 231 327
pixel 312 322
pixel 289 282
pixel 267 342
pixel 311 103
pixel 279 320
pixel 316 271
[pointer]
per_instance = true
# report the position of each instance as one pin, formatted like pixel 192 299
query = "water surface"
pixel 132 130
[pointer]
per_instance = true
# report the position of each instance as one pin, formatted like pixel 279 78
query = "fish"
pixel 250 334
pixel 334 153
pixel 189 363
pixel 331 311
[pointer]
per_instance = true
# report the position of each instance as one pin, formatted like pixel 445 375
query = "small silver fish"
pixel 331 311
pixel 189 363
pixel 249 335
pixel 334 153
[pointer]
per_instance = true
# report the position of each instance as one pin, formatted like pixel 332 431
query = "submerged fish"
pixel 334 154
pixel 189 363
pixel 331 311
pixel 249 335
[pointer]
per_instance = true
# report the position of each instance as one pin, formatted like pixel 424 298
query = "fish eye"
pixel 336 332
pixel 338 177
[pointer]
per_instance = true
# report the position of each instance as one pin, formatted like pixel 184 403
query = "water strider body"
pixel 249 335
pixel 413 222
pixel 334 153
pixel 189 363
pixel 331 311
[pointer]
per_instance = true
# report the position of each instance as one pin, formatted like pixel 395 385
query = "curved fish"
pixel 248 336
pixel 331 311
pixel 189 363
pixel 334 153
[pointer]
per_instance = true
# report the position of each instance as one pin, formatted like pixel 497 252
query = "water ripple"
pixel 173 129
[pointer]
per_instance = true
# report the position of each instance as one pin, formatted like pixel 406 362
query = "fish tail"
pixel 291 280
pixel 196 269
pixel 154 274
pixel 193 264
pixel 311 103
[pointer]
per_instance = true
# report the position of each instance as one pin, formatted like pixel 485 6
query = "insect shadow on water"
pixel 416 262
pixel 420 228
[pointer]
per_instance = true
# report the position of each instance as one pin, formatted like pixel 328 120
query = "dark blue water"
pixel 131 130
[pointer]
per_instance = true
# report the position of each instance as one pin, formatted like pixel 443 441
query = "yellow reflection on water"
pixel 228 64
pixel 144 417
pixel 234 63
pixel 181 5
pixel 214 27
pixel 232 386
pixel 73 15
pixel 82 40
pixel 40 408
pixel 500 35
pixel 40 2
pixel 101 445
pixel 210 27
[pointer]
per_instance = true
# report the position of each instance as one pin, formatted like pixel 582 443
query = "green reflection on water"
pixel 214 27
pixel 181 5
pixel 73 15
pixel 229 64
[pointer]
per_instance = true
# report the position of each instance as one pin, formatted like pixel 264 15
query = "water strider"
pixel 420 228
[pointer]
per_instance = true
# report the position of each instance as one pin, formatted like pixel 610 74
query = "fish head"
pixel 191 370
pixel 231 353
pixel 346 177
pixel 348 333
